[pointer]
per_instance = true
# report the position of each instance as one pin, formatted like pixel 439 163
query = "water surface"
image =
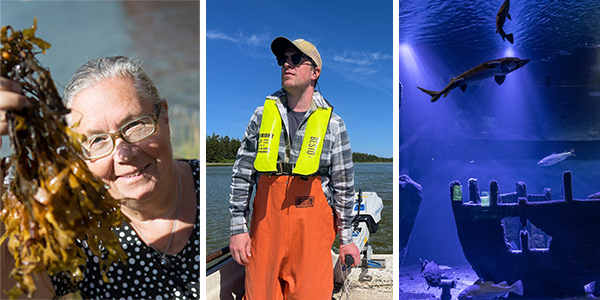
pixel 370 177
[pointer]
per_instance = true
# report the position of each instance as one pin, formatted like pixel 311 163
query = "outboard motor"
pixel 367 207
pixel 367 210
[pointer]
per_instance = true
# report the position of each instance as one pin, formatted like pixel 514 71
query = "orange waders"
pixel 292 232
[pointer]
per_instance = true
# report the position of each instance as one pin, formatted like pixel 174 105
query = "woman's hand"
pixel 11 98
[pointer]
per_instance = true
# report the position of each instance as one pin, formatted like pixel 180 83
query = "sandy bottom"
pixel 413 286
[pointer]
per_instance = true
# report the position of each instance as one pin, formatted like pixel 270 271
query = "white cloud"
pixel 215 35
pixel 363 68
pixel 361 58
pixel 239 38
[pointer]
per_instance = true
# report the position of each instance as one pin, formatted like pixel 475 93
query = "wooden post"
pixel 525 241
pixel 494 192
pixel 474 191
pixel 567 187
pixel 456 191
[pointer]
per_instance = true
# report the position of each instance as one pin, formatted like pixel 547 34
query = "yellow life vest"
pixel 312 144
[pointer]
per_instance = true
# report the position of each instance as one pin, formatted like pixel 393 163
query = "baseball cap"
pixel 280 44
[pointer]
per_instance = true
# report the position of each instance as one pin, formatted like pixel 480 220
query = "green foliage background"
pixel 223 149
pixel 358 157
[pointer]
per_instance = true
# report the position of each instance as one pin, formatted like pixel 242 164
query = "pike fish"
pixel 497 68
pixel 501 19
pixel 488 290
pixel 555 158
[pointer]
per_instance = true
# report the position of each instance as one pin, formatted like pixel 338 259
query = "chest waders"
pixel 292 225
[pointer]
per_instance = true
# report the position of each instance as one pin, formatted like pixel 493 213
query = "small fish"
pixel 431 272
pixel 497 68
pixel 488 290
pixel 501 19
pixel 555 158
pixel 594 196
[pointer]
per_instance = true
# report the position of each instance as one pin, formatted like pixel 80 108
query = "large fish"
pixel 501 19
pixel 497 68
pixel 555 158
pixel 488 290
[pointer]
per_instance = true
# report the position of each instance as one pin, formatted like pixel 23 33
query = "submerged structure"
pixel 557 250
pixel 410 195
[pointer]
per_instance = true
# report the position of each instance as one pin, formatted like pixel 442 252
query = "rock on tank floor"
pixel 413 286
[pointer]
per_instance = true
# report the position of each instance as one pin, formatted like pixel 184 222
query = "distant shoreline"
pixel 218 164
pixel 231 164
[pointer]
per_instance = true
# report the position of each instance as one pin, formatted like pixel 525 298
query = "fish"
pixel 501 19
pixel 488 290
pixel 555 158
pixel 594 196
pixel 497 68
pixel 431 272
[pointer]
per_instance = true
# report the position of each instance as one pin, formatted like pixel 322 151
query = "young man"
pixel 298 153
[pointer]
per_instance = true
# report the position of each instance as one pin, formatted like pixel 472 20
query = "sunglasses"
pixel 296 59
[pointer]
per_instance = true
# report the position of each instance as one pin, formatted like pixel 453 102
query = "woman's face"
pixel 135 170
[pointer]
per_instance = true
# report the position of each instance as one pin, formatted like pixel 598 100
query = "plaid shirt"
pixel 338 187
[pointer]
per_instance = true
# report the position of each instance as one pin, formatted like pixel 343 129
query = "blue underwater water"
pixel 491 131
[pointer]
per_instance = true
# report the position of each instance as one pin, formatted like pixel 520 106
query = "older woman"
pixel 127 144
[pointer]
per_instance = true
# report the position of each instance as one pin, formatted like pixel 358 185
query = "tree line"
pixel 364 157
pixel 223 149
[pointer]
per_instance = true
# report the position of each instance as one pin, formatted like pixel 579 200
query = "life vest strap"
pixel 287 169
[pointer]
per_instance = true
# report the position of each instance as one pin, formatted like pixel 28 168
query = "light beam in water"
pixel 408 58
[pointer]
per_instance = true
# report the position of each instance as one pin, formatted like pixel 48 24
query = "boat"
pixel 225 280
pixel 225 277
pixel 554 251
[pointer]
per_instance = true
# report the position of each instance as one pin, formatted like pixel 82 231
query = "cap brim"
pixel 280 44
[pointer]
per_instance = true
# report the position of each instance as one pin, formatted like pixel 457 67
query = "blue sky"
pixel 355 42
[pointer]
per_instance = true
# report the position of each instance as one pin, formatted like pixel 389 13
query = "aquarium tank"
pixel 502 91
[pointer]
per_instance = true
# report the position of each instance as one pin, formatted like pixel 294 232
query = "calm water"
pixel 370 177
pixel 490 131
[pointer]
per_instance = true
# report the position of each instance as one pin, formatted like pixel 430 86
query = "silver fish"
pixel 497 68
pixel 501 19
pixel 555 158
pixel 594 196
pixel 488 290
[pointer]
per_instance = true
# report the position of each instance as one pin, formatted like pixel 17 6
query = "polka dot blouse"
pixel 143 277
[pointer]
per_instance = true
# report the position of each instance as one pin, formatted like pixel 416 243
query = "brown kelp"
pixel 50 198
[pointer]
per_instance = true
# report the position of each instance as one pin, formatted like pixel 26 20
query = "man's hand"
pixel 352 250
pixel 239 247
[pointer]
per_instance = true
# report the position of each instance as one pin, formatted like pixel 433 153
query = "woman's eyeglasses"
pixel 296 59
pixel 101 145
